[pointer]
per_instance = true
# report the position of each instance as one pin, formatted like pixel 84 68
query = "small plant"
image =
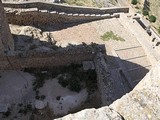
pixel 114 2
pixel 40 80
pixel 82 2
pixel 134 2
pixel 20 104
pixel 6 114
pixel 58 98
pixel 152 18
pixel 32 117
pixel 27 108
pixel 75 85
pixel 63 82
pixel 37 97
pixel 37 92
pixel 145 12
pixel 42 97
pixel 111 36
pixel 20 111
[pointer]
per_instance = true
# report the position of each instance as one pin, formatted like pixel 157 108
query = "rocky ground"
pixel 140 104
pixel 23 101
pixel 128 56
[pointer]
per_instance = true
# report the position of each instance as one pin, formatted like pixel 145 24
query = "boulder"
pixel 39 104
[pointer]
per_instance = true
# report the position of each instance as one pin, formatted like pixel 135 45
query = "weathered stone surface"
pixel 4 107
pixel 6 41
pixel 40 104
pixel 143 102
pixel 104 113
pixel 88 65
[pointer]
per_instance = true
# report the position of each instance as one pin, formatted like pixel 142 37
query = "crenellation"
pixel 57 13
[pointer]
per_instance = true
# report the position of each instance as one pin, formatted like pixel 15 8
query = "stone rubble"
pixel 142 103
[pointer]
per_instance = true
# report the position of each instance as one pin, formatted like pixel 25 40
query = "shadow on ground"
pixel 123 81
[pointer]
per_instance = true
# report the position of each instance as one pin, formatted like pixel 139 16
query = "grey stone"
pixel 40 104
pixel 3 107
pixel 143 102
pixel 104 113
pixel 88 65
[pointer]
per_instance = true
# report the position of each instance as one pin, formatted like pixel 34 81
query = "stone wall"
pixel 6 40
pixel 65 8
pixel 32 17
pixel 28 13
pixel 142 103
pixel 104 81
pixel 62 56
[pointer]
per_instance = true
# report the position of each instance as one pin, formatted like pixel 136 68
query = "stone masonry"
pixel 6 40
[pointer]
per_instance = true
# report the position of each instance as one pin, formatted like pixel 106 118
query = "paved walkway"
pixel 136 59
pixel 142 37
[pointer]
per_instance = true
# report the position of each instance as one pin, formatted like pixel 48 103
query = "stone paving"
pixel 142 37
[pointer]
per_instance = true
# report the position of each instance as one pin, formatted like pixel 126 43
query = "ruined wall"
pixel 142 103
pixel 32 17
pixel 63 56
pixel 104 81
pixel 28 13
pixel 6 41
pixel 65 8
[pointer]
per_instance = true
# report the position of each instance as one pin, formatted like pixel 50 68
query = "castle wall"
pixel 105 84
pixel 57 58
pixel 63 57
pixel 6 40
pixel 28 13
pixel 65 8
pixel 32 18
